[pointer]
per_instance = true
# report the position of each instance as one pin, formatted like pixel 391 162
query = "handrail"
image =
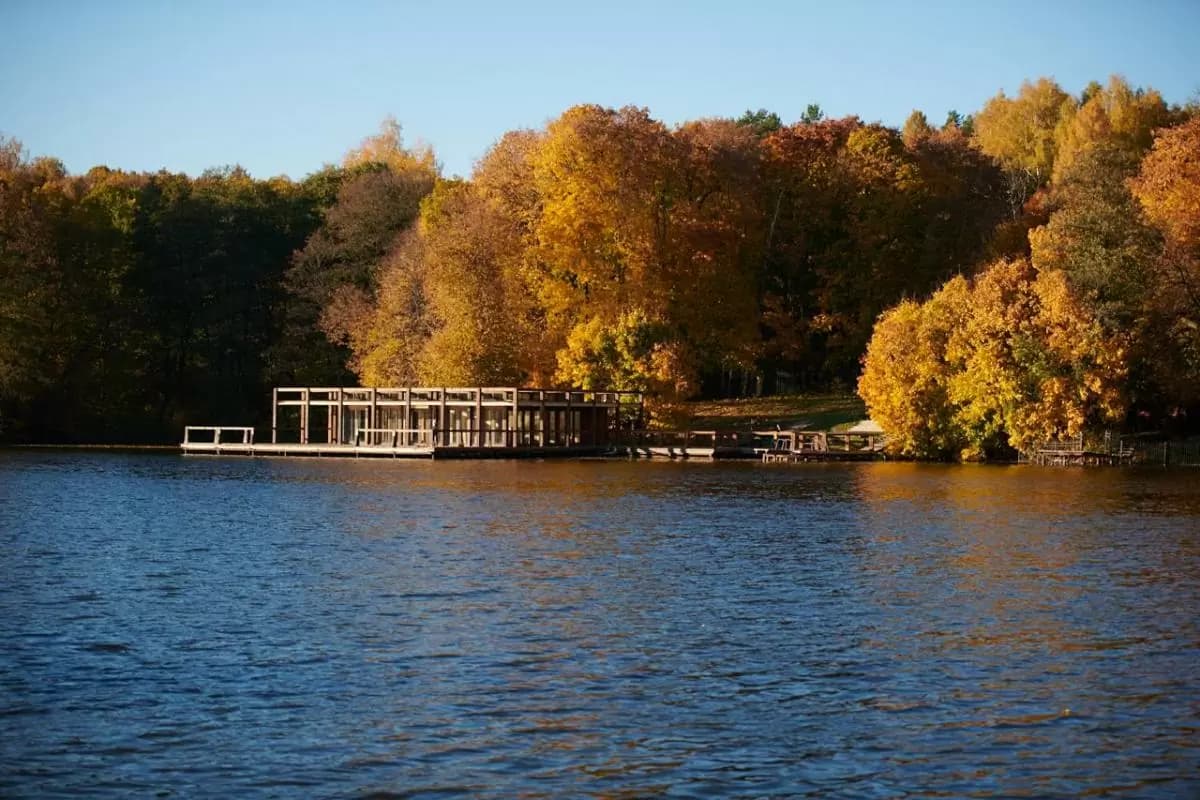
pixel 247 433
pixel 424 436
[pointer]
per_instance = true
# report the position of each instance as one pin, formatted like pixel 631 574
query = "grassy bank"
pixel 805 411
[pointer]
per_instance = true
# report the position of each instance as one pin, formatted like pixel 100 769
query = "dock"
pixel 797 447
pixel 1077 452
pixel 239 441
pixel 770 447
pixel 500 422
pixel 429 422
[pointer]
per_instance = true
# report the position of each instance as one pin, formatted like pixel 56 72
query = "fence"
pixel 1167 454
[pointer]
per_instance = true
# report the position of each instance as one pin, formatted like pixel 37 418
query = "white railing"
pixel 393 437
pixel 246 434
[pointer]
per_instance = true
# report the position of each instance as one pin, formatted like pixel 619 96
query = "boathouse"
pixel 413 420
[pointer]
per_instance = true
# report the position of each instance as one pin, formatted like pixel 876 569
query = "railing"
pixel 394 437
pixel 706 439
pixel 246 434
pixel 820 441
pixel 1167 454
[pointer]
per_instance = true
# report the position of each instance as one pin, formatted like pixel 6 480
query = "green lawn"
pixel 807 411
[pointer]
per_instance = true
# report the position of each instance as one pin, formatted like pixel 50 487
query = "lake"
pixel 199 627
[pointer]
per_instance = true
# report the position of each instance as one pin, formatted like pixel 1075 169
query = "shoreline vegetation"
pixel 1023 274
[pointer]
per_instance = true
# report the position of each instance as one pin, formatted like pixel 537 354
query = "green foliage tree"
pixel 761 122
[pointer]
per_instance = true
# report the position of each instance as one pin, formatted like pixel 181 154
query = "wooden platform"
pixel 826 455
pixel 376 451
pixel 1076 453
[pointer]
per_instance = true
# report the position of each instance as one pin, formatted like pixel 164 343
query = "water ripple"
pixel 231 628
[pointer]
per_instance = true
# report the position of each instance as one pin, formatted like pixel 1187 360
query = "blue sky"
pixel 284 87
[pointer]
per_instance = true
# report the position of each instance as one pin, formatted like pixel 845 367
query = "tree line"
pixel 1088 317
pixel 720 257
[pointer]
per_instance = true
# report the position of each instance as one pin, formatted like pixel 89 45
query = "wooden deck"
pixel 383 443
pixel 384 451
pixel 1078 453
pixel 798 447
pixel 828 455
pixel 768 446
pixel 310 450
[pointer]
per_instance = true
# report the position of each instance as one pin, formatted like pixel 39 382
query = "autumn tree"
pixel 609 183
pixel 1116 115
pixel 1010 359
pixel 1034 362
pixel 378 199
pixel 1097 235
pixel 1167 188
pixel 916 130
pixel 1019 132
pixel 906 375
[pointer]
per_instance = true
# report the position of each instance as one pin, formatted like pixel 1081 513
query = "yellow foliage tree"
pixel 387 147
pixel 906 377
pixel 1013 359
pixel 1019 132
pixel 1116 113
pixel 1036 364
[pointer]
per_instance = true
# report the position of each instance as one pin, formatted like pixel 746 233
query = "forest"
pixel 994 279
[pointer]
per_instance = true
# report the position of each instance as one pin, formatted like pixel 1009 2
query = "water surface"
pixel 201 627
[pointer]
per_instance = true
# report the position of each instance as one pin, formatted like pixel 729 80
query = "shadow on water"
pixel 291 628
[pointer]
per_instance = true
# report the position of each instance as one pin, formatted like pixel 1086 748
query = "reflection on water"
pixel 309 628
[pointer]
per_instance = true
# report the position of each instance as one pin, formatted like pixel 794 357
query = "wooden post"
pixel 542 417
pixel 341 415
pixel 514 420
pixel 479 416
pixel 442 422
pixel 304 416
pixel 570 422
pixel 275 415
pixel 408 415
pixel 373 418
pixel 595 421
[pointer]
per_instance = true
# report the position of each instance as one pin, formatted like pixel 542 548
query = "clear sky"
pixel 284 86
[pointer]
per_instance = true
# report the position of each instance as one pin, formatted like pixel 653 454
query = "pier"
pixel 429 422
pixel 791 447
pixel 1076 452
pixel 501 422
